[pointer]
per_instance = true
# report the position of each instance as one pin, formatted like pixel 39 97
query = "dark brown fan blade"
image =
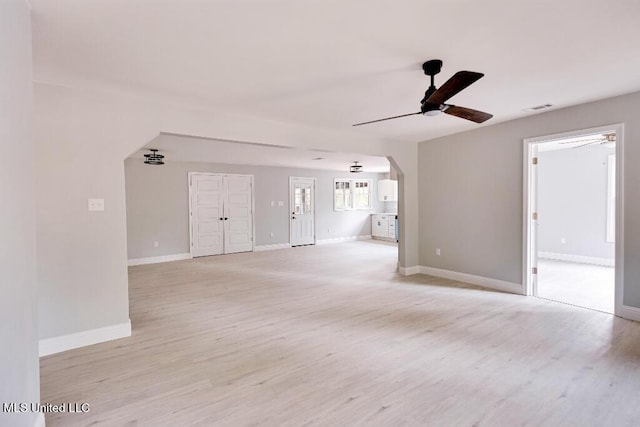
pixel 459 81
pixel 468 113
pixel 388 118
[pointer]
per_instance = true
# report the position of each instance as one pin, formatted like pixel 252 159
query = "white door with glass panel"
pixel 221 214
pixel 302 206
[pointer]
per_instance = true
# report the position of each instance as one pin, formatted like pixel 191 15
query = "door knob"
pixel 221 218
pixel 226 218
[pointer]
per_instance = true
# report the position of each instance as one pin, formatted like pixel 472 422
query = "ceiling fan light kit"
pixel 355 168
pixel 433 102
pixel 154 158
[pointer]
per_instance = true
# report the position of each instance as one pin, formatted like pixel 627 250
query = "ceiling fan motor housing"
pixel 432 67
pixel 428 107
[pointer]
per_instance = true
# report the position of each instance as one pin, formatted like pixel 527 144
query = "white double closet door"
pixel 221 213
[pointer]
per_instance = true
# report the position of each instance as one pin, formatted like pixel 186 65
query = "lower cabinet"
pixel 383 226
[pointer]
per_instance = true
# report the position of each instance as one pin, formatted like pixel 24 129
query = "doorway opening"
pixel 225 211
pixel 573 221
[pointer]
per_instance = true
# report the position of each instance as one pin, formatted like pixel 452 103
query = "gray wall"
pixel 19 369
pixel 572 201
pixel 157 205
pixel 82 138
pixel 470 191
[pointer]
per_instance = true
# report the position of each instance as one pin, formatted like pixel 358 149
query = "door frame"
pixel 253 206
pixel 315 181
pixel 530 191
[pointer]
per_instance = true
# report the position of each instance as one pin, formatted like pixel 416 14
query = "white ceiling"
pixel 333 63
pixel 192 149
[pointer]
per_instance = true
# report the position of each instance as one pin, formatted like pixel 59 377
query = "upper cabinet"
pixel 387 190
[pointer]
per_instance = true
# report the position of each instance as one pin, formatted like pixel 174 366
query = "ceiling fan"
pixel 434 99
pixel 605 138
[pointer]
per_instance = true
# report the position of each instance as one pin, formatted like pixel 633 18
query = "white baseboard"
pixel 39 420
pixel 54 345
pixel 608 262
pixel 500 285
pixel 271 247
pixel 409 271
pixel 384 239
pixel 342 239
pixel 158 259
pixel 631 313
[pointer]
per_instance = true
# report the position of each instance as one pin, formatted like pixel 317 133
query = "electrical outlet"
pixel 273 203
pixel 271 234
pixel 438 251
pixel 280 204
pixel 95 205
pixel 155 244
pixel 563 241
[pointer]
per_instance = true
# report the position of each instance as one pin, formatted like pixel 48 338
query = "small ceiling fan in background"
pixel 434 99
pixel 585 141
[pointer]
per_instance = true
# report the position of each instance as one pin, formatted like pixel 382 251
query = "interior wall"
pixel 82 139
pixel 158 198
pixel 19 366
pixel 471 191
pixel 572 201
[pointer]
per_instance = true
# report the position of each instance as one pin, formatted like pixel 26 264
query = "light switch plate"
pixel 96 205
pixel 280 203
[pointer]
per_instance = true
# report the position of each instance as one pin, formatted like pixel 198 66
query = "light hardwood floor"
pixel 584 285
pixel 332 335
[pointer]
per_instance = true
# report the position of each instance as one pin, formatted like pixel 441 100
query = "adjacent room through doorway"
pixel 573 211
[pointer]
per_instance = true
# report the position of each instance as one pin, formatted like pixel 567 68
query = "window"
pixel 342 195
pixel 362 195
pixel 302 201
pixel 349 194
pixel 611 199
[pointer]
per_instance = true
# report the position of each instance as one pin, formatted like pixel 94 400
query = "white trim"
pixel 628 312
pixel 607 262
pixel 253 213
pixel 529 200
pixel 342 239
pixel 620 197
pixel 409 271
pixel 39 420
pixel 272 247
pixel 528 190
pixel 62 343
pixel 611 198
pixel 385 239
pixel 158 259
pixel 486 282
pixel 352 195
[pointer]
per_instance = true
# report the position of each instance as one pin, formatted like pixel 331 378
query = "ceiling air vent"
pixel 538 108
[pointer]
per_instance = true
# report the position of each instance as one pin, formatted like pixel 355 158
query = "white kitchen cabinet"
pixel 379 226
pixel 383 226
pixel 387 190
